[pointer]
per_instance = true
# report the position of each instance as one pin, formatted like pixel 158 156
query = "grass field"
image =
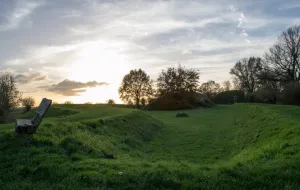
pixel 242 146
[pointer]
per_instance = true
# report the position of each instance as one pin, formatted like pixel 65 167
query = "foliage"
pixel 111 101
pixel 282 59
pixel 68 102
pixel 135 86
pixel 210 89
pixel 246 73
pixel 10 97
pixel 176 80
pixel 183 100
pixel 88 103
pixel 226 97
pixel 291 94
pixel 263 95
pixel 28 103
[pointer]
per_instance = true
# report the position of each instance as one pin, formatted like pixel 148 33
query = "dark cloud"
pixel 25 78
pixel 72 88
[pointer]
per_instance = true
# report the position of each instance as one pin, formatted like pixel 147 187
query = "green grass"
pixel 243 146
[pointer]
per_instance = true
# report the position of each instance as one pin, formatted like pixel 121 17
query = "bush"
pixel 226 97
pixel 183 100
pixel 291 94
pixel 68 102
pixel 111 102
pixel 264 95
pixel 88 103
pixel 182 115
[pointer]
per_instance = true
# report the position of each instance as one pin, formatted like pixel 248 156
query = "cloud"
pixel 147 34
pixel 22 10
pixel 232 8
pixel 7 72
pixel 186 51
pixel 72 88
pixel 242 19
pixel 29 77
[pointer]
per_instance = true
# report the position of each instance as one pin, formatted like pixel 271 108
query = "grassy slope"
pixel 241 146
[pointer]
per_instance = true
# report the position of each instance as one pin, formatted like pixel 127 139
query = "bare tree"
pixel 226 85
pixel 246 73
pixel 135 86
pixel 176 80
pixel 10 97
pixel 282 62
pixel 28 103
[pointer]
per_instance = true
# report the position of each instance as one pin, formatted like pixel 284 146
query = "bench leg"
pixel 21 130
pixel 31 130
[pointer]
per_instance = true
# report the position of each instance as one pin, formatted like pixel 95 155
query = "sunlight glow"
pixel 96 62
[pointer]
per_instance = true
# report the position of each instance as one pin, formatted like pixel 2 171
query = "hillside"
pixel 244 146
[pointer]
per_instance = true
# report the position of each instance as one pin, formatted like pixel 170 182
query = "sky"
pixel 79 50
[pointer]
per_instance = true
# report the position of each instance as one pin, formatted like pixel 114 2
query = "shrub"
pixel 182 115
pixel 28 103
pixel 111 102
pixel 226 97
pixel 291 94
pixel 68 102
pixel 183 100
pixel 263 95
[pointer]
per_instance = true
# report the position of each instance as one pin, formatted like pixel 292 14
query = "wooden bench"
pixel 29 126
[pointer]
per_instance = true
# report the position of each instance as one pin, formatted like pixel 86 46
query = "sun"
pixel 96 62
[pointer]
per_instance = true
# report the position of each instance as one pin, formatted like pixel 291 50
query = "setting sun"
pixel 94 62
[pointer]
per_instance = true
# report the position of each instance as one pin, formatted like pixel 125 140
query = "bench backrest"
pixel 41 111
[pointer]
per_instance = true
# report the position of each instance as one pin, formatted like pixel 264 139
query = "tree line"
pixel 274 75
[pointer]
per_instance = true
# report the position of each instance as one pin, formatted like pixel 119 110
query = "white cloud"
pixel 232 8
pixel 242 20
pixel 186 51
pixel 22 10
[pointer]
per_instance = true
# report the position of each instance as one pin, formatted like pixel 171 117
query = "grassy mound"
pixel 47 159
pixel 243 146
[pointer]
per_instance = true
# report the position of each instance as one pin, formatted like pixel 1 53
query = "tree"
pixel 111 102
pixel 246 73
pixel 88 103
pixel 10 97
pixel 143 101
pixel 176 80
pixel 68 102
pixel 135 86
pixel 226 85
pixel 210 88
pixel 28 102
pixel 282 62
